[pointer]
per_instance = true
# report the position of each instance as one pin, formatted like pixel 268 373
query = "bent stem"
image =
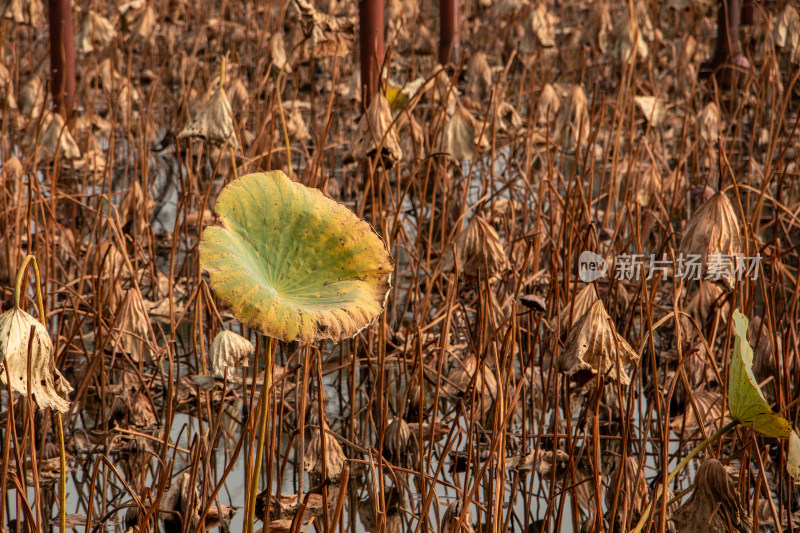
pixel 249 523
pixel 691 455
pixel 62 490
pixel 30 260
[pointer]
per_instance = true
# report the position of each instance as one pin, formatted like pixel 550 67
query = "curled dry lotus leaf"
pixel 548 105
pixel 479 75
pixel 710 123
pixel 139 19
pixel 295 123
pixel 292 263
pixel 547 461
pixel 397 440
pixel 328 35
pixel 11 178
pixel 32 97
pixel 714 503
pixel 28 12
pixel 462 134
pixel 5 76
pixel 460 377
pixel 508 120
pixel 793 461
pixel 713 234
pixel 652 108
pixel 56 140
pixel 453 516
pixel 599 26
pixel 578 307
pixel 95 31
pixel 405 96
pixel 48 387
pixel 133 328
pixel 277 52
pixel 630 493
pixel 539 30
pixel 710 409
pixel 572 121
pixel 478 248
pixel 214 121
pixel 650 185
pixel 334 455
pixel 787 32
pixel 377 134
pixel 229 349
pixel 401 17
pixel 182 500
pixel 594 346
pixel 709 298
pixel 745 399
pixel 628 39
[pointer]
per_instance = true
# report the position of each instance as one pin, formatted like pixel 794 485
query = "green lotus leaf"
pixel 745 399
pixel 292 263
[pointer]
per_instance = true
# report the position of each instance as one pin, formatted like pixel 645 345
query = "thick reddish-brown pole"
pixel 449 32
pixel 370 14
pixel 62 56
pixel 728 44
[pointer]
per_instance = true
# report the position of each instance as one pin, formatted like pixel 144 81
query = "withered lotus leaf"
pixel 292 263
pixel 229 350
pixel 461 376
pixel 709 123
pixel 377 134
pixel 539 30
pixel 48 387
pixel 594 346
pixel 23 12
pixel 572 120
pixel 478 251
pixel 652 108
pixel 793 462
pixel 549 104
pixel 397 441
pixel 713 231
pixel 453 516
pixel 56 140
pixel 714 503
pixel 213 122
pixel 278 53
pixel 584 300
pixel 96 30
pixel 630 494
pixel 133 327
pixel 334 455
pixel 461 134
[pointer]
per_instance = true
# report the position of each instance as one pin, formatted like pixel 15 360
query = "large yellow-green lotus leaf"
pixel 292 263
pixel 745 399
